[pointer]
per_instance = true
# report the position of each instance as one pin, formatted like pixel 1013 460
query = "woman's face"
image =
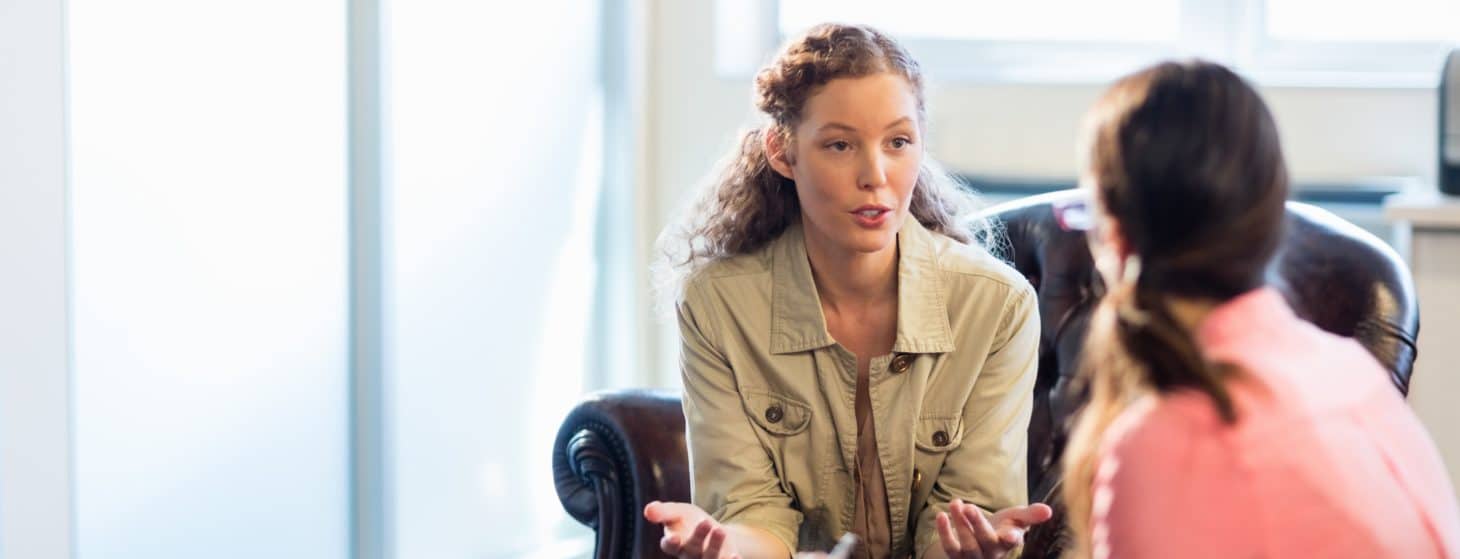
pixel 855 159
pixel 1108 247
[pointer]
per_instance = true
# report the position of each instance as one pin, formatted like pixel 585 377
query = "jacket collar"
pixel 797 323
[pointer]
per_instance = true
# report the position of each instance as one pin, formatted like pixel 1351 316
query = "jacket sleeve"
pixel 988 468
pixel 733 476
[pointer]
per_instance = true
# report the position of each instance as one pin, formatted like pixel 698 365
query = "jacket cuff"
pixel 783 523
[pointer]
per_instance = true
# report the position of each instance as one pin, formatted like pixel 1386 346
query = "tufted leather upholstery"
pixel 1334 275
pixel 619 450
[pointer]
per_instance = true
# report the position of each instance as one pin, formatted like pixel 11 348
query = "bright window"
pixel 1121 21
pixel 1276 42
pixel 209 279
pixel 496 166
pixel 1391 21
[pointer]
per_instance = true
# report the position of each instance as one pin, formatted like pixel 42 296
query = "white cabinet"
pixel 1427 233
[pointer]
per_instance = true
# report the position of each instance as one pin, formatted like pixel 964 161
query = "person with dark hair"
pixel 852 360
pixel 1219 423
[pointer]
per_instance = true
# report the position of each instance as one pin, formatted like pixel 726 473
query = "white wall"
pixel 1024 130
pixel 1327 133
pixel 1433 253
pixel 35 418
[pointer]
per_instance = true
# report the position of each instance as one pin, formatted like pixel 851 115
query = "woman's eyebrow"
pixel 850 128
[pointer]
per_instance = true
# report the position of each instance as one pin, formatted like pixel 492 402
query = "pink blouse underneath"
pixel 1326 459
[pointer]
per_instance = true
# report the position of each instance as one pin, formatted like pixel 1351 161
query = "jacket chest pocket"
pixel 936 434
pixel 935 437
pixel 776 414
pixel 784 424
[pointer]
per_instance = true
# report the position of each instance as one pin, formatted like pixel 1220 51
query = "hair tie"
pixel 1131 275
pixel 1129 281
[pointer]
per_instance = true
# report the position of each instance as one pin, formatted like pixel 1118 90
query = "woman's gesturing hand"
pixel 967 533
pixel 690 532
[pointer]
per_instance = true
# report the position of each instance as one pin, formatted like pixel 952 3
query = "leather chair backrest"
pixel 1334 274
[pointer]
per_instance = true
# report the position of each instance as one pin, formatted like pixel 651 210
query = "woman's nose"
pixel 874 172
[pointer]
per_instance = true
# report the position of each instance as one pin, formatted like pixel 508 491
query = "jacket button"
pixel 774 413
pixel 901 363
pixel 940 438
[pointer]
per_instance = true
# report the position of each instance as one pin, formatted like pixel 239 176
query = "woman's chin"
pixel 853 238
pixel 870 241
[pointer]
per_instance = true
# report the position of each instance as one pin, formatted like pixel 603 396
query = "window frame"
pixel 1232 32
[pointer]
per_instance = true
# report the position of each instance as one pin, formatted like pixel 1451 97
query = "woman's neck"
pixel 851 278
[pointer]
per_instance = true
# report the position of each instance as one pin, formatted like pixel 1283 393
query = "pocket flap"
pixel 939 434
pixel 778 414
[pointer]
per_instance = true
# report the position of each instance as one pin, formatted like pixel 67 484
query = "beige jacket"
pixel 768 394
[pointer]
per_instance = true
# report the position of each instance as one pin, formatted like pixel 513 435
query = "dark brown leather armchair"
pixel 617 451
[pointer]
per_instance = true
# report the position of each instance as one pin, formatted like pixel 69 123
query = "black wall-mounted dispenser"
pixel 1450 125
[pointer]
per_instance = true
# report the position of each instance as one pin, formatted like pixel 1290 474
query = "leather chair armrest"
pixel 614 453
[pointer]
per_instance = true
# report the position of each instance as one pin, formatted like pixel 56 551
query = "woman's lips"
pixel 871 217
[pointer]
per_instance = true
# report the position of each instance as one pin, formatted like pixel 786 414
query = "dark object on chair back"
pixel 617 451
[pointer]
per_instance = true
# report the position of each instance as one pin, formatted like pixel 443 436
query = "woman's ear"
pixel 1112 236
pixel 1110 250
pixel 775 153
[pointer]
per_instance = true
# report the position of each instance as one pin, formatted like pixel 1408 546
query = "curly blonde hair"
pixel 748 204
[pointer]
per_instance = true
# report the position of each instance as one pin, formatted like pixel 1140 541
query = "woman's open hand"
pixel 967 533
pixel 690 532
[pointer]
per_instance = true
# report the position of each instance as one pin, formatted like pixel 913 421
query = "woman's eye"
pixel 899 143
pixel 839 146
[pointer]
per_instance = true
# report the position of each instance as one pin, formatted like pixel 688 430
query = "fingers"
pixel 669 544
pixel 660 513
pixel 1024 517
pixel 1040 512
pixel 716 542
pixel 706 540
pixel 1014 522
pixel 968 539
pixel 682 539
pixel 983 530
pixel 1011 537
pixel 951 546
pixel 695 543
pixel 655 512
pixel 679 518
pixel 666 513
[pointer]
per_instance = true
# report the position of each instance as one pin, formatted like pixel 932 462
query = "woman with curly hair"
pixel 853 361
